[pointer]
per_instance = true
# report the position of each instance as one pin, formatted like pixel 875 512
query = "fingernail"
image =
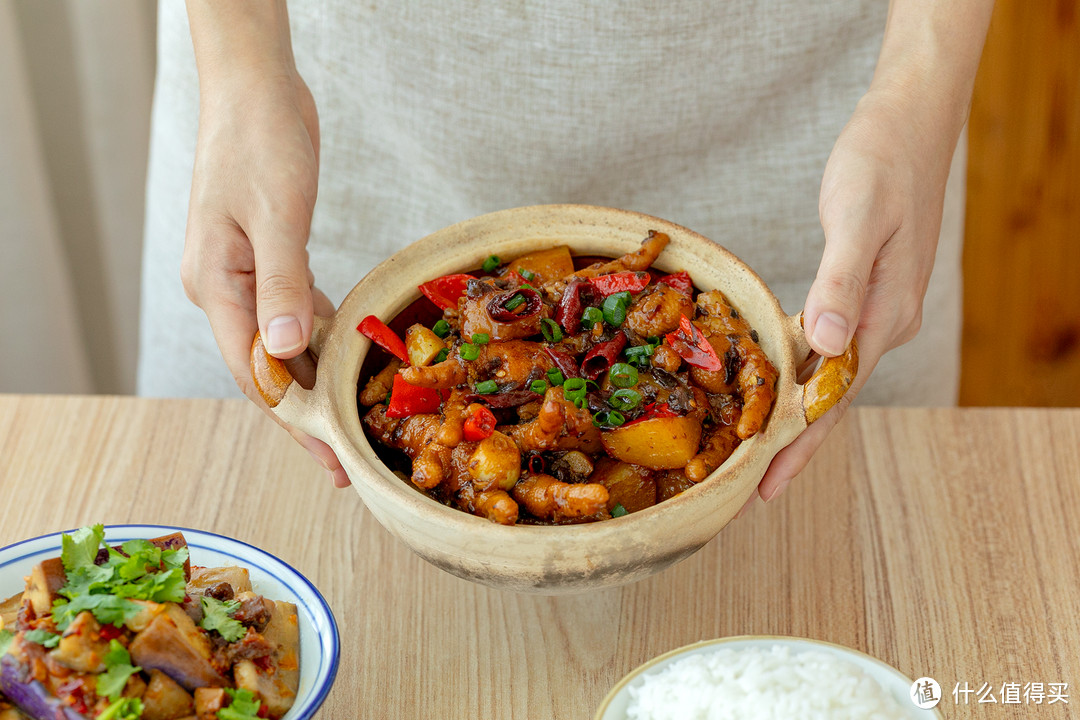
pixel 777 491
pixel 830 333
pixel 283 334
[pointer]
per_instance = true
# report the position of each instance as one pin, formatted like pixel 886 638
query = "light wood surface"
pixel 942 541
pixel 1021 343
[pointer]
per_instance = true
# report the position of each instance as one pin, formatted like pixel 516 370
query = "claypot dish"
pixel 569 558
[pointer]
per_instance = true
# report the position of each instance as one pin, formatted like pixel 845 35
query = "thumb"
pixel 283 298
pixel 834 303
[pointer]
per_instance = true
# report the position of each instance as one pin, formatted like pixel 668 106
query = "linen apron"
pixel 718 116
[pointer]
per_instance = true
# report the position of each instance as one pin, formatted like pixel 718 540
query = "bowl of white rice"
pixel 763 678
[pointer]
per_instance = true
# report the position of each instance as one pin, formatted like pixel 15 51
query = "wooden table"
pixel 941 541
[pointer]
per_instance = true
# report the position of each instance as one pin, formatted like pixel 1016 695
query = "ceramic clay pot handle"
pixel 830 381
pixel 274 381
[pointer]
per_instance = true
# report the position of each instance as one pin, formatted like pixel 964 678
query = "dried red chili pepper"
pixel 602 356
pixel 444 291
pixel 566 364
pixel 679 281
pixel 514 305
pixel 692 346
pixel 480 424
pixel 568 313
pixel 383 336
pixel 407 400
pixel 632 282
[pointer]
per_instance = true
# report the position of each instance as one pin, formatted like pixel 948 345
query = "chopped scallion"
pixel 552 332
pixel 555 376
pixel 441 328
pixel 481 338
pixel 468 351
pixel 623 375
pixel 539 386
pixel 491 263
pixel 487 387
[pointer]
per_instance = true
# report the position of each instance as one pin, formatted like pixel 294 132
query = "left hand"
pixel 880 207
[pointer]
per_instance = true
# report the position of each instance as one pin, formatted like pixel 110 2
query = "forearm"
pixel 240 37
pixel 929 58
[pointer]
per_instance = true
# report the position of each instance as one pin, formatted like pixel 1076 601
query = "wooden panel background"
pixel 1021 341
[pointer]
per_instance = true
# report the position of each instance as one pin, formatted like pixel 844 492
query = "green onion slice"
pixel 515 302
pixel 574 390
pixel 555 376
pixel 539 386
pixel 481 338
pixel 491 263
pixel 441 328
pixel 487 387
pixel 443 354
pixel 623 375
pixel 552 332
pixel 591 316
pixel 618 511
pixel 614 308
pixel 468 351
pixel 625 399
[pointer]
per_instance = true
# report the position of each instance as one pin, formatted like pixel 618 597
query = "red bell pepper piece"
pixel 633 282
pixel 444 291
pixel 692 346
pixel 407 400
pixel 480 424
pixel 679 281
pixel 384 337
pixel 602 356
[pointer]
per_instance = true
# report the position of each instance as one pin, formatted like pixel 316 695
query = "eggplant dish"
pixel 136 631
pixel 550 394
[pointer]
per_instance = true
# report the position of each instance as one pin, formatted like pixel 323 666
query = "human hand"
pixel 253 191
pixel 880 207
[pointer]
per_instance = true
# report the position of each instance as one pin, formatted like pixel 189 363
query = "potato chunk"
pixel 661 443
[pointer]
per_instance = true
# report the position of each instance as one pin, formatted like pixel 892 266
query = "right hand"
pixel 252 195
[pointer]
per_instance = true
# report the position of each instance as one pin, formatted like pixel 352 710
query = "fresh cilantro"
pixel 243 706
pixel 123 709
pixel 141 571
pixel 6 636
pixel 216 616
pixel 108 609
pixel 42 637
pixel 118 669
pixel 79 549
pixel 618 511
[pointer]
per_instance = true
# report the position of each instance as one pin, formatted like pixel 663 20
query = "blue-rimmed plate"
pixel 320 645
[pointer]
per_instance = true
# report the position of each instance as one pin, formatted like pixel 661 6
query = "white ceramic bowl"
pixel 539 559
pixel 320 646
pixel 895 683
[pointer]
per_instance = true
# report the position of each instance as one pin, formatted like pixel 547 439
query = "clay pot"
pixel 562 559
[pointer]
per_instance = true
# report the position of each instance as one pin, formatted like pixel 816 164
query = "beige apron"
pixel 716 115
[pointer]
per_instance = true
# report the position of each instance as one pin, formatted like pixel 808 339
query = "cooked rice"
pixel 760 684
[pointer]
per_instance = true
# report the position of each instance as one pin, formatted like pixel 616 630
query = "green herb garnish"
pixel 539 386
pixel 481 338
pixel 123 709
pixel 487 387
pixel 491 263
pixel 623 375
pixel 614 308
pixel 468 351
pixel 618 511
pixel 6 636
pixel 42 637
pixel 217 615
pixel 139 571
pixel 552 332
pixel 443 354
pixel 591 316
pixel 555 376
pixel 243 706
pixel 441 328
pixel 118 669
